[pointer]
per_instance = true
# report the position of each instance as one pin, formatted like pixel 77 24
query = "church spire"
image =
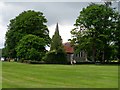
pixel 57 28
pixel 56 41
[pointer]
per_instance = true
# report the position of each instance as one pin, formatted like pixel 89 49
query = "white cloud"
pixel 2 35
pixel 2 27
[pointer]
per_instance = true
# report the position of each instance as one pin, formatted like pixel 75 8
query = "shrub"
pixel 55 57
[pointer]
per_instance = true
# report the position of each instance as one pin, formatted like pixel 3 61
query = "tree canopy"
pixel 94 32
pixel 31 47
pixel 117 38
pixel 28 22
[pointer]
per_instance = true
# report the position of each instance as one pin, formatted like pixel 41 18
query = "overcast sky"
pixel 65 13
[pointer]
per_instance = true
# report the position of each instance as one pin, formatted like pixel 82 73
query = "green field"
pixel 18 75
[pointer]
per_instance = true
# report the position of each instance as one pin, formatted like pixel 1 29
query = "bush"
pixel 54 57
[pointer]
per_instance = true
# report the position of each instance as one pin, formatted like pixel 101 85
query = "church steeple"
pixel 56 39
pixel 57 29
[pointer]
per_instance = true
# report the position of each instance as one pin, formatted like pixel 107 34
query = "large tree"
pixel 28 22
pixel 117 38
pixel 94 31
pixel 31 47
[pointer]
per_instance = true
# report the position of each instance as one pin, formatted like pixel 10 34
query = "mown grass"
pixel 18 75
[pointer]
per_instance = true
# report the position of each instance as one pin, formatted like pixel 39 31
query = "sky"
pixel 65 13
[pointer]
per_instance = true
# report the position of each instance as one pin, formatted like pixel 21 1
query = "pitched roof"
pixel 68 48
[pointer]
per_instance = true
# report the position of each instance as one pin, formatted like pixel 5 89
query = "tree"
pixel 4 53
pixel 31 47
pixel 118 30
pixel 56 53
pixel 0 53
pixel 56 41
pixel 117 38
pixel 28 22
pixel 94 30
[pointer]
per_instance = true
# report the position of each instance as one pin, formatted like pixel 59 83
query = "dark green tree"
pixel 28 22
pixel 4 53
pixel 31 47
pixel 0 53
pixel 56 53
pixel 117 38
pixel 94 31
pixel 56 42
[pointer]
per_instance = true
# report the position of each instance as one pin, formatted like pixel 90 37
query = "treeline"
pixel 97 32
pixel 27 38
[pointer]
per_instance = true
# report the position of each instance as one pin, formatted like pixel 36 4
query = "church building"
pixel 78 57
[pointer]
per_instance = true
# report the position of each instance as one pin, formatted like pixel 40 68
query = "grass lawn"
pixel 18 75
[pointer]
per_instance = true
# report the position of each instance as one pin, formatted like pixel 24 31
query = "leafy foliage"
pixel 117 38
pixel 94 32
pixel 28 22
pixel 56 57
pixel 31 47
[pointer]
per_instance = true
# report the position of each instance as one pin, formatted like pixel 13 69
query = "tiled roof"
pixel 68 48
